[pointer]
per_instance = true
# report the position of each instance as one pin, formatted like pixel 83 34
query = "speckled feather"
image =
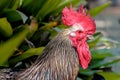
pixel 59 61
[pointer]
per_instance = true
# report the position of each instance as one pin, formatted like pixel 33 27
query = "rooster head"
pixel 81 26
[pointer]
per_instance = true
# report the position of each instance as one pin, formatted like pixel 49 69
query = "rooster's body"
pixel 61 57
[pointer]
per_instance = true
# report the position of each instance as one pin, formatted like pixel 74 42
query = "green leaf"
pixel 7 48
pixel 4 4
pixel 93 43
pixel 41 8
pixel 5 27
pixel 23 16
pixel 55 7
pixel 27 54
pixel 48 7
pixel 106 62
pixel 67 3
pixel 30 8
pixel 110 75
pixel 14 4
pixel 95 11
pixel 100 54
pixel 48 25
pixel 12 15
pixel 9 4
pixel 26 3
pixel 87 72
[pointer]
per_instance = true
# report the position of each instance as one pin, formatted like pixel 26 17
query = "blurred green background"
pixel 26 26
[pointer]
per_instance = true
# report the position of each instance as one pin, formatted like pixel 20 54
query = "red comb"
pixel 71 17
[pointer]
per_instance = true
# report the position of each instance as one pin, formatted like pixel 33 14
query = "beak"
pixel 90 37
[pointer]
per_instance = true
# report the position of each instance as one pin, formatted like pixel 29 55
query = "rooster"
pixel 63 55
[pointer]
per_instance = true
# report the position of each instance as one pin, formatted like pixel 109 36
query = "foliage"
pixel 26 26
pixel 104 56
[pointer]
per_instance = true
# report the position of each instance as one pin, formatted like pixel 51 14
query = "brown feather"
pixel 59 61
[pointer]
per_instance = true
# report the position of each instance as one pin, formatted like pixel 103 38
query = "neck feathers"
pixel 59 61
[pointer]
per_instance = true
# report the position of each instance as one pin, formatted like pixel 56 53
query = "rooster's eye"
pixel 79 31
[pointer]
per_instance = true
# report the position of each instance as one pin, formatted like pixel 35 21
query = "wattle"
pixel 79 42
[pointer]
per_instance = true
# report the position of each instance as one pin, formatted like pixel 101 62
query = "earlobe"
pixel 72 34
